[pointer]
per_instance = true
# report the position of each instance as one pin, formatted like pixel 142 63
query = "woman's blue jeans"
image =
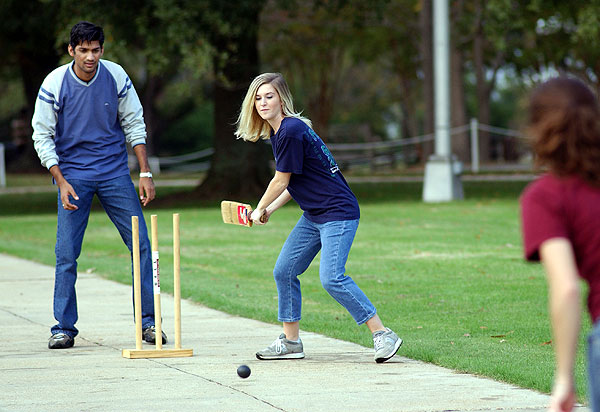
pixel 334 239
pixel 120 201
pixel 594 367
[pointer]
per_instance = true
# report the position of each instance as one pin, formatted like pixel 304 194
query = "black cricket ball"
pixel 243 371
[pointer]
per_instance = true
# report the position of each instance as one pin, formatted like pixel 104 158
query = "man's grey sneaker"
pixel 386 345
pixel 149 335
pixel 60 341
pixel 282 349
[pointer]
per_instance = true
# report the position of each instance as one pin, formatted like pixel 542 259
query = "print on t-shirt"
pixel 321 151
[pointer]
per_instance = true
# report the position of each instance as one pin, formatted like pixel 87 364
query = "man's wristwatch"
pixel 146 174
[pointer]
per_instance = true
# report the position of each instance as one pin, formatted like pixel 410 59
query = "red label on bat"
pixel 242 215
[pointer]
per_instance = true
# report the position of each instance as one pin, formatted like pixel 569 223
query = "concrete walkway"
pixel 516 177
pixel 93 376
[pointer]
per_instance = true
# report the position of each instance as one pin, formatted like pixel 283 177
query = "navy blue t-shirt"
pixel 316 183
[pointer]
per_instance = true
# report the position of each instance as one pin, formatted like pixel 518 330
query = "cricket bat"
pixel 236 213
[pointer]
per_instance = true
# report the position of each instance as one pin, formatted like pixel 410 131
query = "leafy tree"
pixel 320 46
pixel 490 30
pixel 348 61
pixel 238 169
pixel 160 42
pixel 178 36
pixel 27 43
pixel 566 38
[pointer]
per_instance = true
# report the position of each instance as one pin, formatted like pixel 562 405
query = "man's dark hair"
pixel 84 31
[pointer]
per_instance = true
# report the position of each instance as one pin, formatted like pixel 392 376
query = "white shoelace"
pixel 379 341
pixel 279 346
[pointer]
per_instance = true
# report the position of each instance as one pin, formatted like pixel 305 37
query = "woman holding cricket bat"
pixel 307 173
pixel 561 224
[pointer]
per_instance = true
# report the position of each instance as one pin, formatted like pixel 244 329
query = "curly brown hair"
pixel 564 125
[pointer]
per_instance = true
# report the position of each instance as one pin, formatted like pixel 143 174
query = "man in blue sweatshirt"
pixel 85 113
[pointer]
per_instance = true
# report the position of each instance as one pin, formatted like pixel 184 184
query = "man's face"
pixel 86 56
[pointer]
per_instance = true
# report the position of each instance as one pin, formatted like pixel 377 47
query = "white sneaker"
pixel 282 348
pixel 386 345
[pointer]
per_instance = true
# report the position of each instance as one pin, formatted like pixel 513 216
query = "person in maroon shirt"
pixel 560 215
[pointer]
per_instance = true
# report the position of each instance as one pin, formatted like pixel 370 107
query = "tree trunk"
pixel 426 28
pixel 34 67
pixel 322 106
pixel 483 103
pixel 239 170
pixel 459 141
pixel 154 126
pixel 408 105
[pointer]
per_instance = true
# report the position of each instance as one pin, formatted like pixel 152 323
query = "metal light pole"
pixel 442 171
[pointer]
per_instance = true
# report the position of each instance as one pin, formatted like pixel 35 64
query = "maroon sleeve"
pixel 542 216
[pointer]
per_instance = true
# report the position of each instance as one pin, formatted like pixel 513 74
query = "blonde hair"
pixel 250 126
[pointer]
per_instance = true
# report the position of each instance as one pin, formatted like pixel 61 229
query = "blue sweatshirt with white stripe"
pixel 84 126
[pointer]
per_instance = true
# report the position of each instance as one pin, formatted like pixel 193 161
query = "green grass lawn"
pixel 449 278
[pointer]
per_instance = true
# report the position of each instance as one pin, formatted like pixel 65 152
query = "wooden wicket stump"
pixel 159 351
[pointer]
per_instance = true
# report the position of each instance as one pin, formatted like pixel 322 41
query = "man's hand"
pixel 147 190
pixel 65 189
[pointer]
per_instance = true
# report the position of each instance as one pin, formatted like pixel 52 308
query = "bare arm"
pixel 280 201
pixel 276 204
pixel 147 189
pixel 270 201
pixel 565 311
